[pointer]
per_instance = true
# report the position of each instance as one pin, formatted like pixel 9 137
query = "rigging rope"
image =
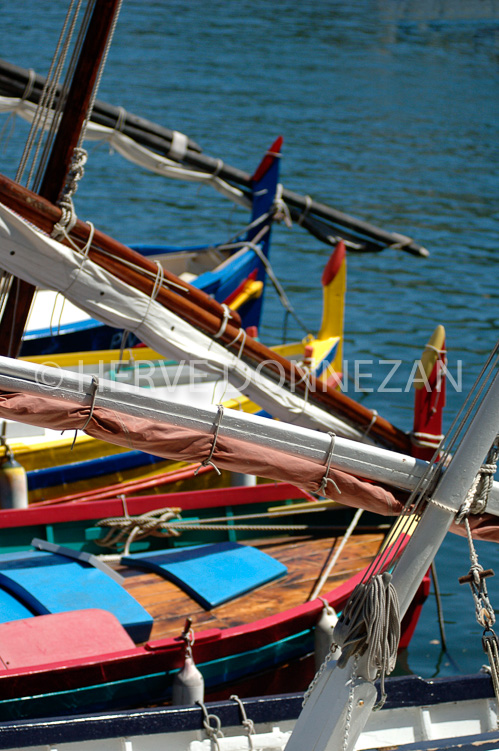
pixel 370 623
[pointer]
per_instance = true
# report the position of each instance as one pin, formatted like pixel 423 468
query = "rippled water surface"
pixel 389 111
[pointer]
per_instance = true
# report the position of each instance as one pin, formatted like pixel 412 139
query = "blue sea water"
pixel 389 111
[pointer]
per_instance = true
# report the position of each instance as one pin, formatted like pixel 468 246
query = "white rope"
pixel 478 495
pixel 370 626
pixel 281 208
pixel 213 733
pixel 373 420
pixel 303 215
pixel 208 460
pixel 248 724
pixel 179 146
pixel 326 478
pixel 227 315
pixel 158 283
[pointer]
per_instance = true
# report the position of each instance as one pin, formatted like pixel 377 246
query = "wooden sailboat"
pixel 20 381
pixel 253 606
pixel 232 273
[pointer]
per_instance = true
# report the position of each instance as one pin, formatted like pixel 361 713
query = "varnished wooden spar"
pixel 202 312
pixel 75 112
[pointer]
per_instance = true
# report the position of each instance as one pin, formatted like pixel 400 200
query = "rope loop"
pixel 94 388
pixel 213 733
pixel 156 523
pixel 29 85
pixel 248 724
pixel 280 208
pixel 219 167
pixel 326 478
pixel 208 460
pixel 303 215
pixel 227 315
pixel 476 578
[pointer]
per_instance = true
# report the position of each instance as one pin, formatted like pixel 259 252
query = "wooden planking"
pixel 305 559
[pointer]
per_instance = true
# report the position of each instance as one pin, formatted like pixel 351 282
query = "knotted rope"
pixel 248 724
pixel 132 528
pixel 213 733
pixel 478 495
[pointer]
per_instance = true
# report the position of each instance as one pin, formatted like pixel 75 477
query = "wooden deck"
pixel 305 558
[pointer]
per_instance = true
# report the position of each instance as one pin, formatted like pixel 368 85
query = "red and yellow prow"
pixel 429 399
pixel 325 353
pixel 322 355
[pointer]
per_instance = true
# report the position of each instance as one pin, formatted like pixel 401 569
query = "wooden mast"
pixel 75 112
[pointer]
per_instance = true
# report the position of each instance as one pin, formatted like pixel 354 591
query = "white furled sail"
pixel 38 259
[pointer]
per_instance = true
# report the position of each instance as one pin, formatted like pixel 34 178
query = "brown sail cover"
pixel 185 444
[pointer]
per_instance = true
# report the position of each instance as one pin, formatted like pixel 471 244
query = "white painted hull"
pixel 392 728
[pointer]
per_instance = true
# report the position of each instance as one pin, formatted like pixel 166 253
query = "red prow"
pixel 266 163
pixel 334 264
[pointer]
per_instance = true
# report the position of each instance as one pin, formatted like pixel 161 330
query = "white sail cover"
pixel 38 259
pixel 133 417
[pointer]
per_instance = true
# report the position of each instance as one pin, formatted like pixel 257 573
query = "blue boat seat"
pixel 211 574
pixel 12 609
pixel 51 583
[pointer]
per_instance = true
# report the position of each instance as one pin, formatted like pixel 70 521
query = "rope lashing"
pixel 307 207
pixel 68 216
pixel 208 460
pixel 373 420
pixel 94 388
pixel 476 579
pixel 227 315
pixel 326 478
pixel 281 209
pixel 484 611
pixel 213 733
pixel 369 627
pixel 426 440
pixel 219 167
pixel 478 495
pixel 248 724
pixel 132 528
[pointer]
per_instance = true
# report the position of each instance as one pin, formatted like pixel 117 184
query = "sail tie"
pixel 94 388
pixel 68 216
pixel 227 315
pixel 208 460
pixel 306 209
pixel 373 420
pixel 326 478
